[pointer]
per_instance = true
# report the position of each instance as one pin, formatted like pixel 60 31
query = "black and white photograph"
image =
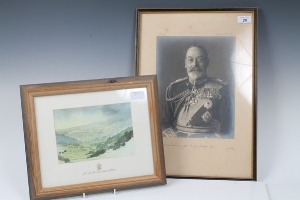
pixel 196 85
pixel 205 62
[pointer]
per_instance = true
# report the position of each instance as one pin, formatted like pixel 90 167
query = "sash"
pixel 188 111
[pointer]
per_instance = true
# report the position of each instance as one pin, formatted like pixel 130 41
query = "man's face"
pixel 196 63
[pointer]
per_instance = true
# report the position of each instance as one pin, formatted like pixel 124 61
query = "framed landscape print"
pixel 205 61
pixel 92 136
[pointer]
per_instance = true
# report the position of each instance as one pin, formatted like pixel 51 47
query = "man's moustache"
pixel 195 69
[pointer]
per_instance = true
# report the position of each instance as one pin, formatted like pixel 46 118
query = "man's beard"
pixel 195 74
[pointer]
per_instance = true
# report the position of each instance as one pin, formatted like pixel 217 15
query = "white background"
pixel 66 40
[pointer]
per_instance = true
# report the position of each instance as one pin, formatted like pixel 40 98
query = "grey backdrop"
pixel 65 40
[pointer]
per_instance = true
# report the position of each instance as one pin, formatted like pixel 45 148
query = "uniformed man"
pixel 197 105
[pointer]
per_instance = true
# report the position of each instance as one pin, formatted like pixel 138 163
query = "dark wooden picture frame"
pixel 144 92
pixel 227 40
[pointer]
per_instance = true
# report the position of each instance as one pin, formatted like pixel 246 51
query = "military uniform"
pixel 203 107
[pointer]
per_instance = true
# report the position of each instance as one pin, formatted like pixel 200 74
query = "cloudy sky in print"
pixel 72 117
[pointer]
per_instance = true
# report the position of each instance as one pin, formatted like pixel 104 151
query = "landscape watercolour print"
pixel 93 133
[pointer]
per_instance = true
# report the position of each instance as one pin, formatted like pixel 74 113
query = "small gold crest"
pixel 99 166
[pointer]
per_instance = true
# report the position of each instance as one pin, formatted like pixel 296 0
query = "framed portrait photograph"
pixel 205 61
pixel 92 136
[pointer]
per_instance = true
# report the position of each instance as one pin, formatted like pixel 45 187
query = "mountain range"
pixel 96 132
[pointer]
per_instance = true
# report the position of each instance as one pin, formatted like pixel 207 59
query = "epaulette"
pixel 174 82
pixel 168 98
pixel 178 80
pixel 218 80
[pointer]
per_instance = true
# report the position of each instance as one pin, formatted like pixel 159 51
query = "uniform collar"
pixel 198 81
